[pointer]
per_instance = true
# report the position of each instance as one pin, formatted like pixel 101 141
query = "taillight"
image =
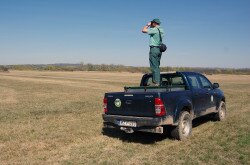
pixel 105 102
pixel 159 107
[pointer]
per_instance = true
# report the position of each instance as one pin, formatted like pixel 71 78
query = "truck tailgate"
pixel 131 104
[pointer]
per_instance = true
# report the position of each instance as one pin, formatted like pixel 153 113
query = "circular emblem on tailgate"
pixel 118 103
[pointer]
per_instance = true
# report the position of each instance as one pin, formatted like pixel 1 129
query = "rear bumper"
pixel 140 121
pixel 151 129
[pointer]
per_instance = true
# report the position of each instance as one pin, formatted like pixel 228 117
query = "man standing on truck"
pixel 154 30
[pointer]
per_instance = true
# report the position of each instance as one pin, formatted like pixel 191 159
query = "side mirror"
pixel 216 85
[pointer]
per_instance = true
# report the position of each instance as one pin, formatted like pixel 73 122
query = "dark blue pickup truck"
pixel 181 97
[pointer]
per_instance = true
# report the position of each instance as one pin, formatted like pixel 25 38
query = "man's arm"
pixel 145 28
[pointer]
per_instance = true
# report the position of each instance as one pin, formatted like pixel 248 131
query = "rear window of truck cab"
pixel 166 80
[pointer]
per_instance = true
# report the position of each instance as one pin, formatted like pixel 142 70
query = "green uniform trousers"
pixel 154 60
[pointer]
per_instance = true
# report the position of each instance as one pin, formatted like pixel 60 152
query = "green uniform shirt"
pixel 154 36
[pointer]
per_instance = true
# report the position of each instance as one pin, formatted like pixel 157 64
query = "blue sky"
pixel 207 33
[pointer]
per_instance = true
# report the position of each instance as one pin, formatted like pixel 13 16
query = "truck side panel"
pixel 176 101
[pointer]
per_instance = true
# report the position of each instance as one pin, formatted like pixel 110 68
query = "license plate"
pixel 126 123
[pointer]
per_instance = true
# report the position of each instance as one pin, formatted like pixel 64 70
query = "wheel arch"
pixel 219 101
pixel 184 105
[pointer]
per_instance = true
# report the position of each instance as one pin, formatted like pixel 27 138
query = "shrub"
pixel 3 69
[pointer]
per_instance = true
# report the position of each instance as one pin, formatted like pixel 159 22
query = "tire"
pixel 221 114
pixel 184 128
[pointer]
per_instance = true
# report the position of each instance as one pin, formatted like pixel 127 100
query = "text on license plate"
pixel 126 123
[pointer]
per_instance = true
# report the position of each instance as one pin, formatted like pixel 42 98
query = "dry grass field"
pixel 55 118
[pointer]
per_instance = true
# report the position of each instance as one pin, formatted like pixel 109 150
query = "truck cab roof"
pixel 185 73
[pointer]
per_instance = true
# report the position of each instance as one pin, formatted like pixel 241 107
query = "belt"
pixel 154 46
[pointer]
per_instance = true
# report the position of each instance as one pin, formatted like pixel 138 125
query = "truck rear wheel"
pixel 221 114
pixel 184 128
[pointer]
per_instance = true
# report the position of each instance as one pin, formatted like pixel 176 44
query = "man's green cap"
pixel 156 20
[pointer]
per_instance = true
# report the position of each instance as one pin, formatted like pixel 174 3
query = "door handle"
pixel 207 93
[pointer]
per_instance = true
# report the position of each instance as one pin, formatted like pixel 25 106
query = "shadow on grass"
pixel 150 138
pixel 202 120
pixel 136 137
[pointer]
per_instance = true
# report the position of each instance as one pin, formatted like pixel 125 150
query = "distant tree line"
pixel 3 68
pixel 119 68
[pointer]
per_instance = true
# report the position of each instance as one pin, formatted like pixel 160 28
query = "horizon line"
pixel 129 65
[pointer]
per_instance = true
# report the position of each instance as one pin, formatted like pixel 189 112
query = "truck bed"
pixel 155 89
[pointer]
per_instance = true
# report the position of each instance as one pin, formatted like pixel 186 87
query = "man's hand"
pixel 145 28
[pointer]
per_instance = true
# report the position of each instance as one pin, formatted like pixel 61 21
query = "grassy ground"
pixel 55 117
